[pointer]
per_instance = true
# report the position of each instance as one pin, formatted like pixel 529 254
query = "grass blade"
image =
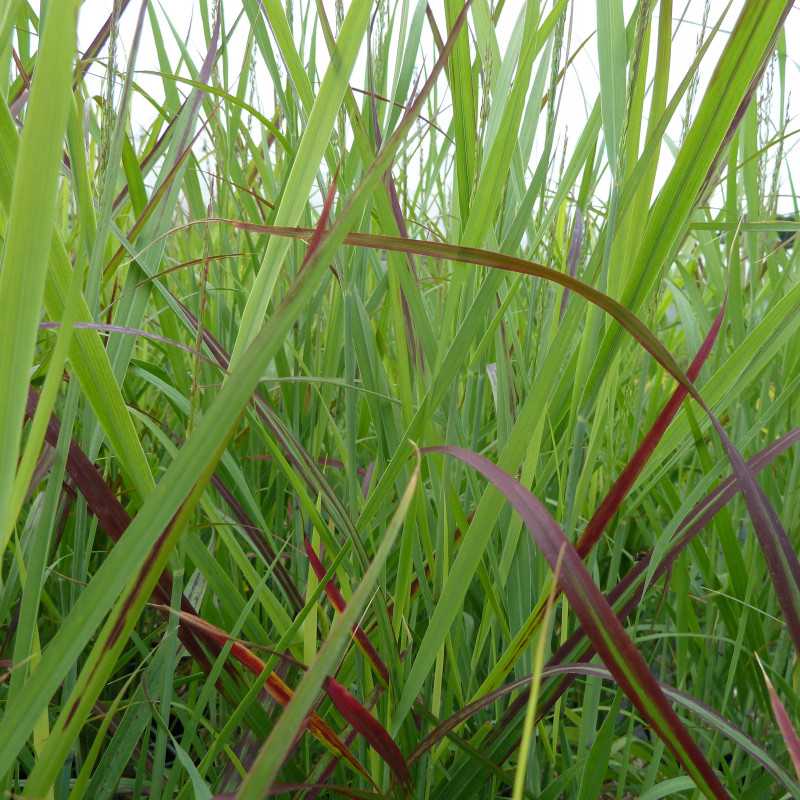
pixel 32 216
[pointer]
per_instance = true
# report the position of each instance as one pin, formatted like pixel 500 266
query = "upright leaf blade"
pixel 612 59
pixel 32 216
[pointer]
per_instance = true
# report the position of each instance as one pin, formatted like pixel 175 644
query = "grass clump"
pixel 369 432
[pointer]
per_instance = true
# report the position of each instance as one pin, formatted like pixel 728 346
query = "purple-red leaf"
pixel 784 723
pixel 346 704
pixel 362 721
pixel 277 689
pixel 322 222
pixel 337 601
pixel 113 518
pixel 622 485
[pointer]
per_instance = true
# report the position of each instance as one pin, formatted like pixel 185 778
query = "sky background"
pixel 580 87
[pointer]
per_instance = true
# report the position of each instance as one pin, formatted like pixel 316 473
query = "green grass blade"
pixel 32 216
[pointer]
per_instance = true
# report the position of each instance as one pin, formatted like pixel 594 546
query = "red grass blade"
pixel 322 222
pixel 346 704
pixel 619 490
pixel 784 723
pixel 612 501
pixel 112 517
pixel 337 601
pixel 369 727
pixel 275 686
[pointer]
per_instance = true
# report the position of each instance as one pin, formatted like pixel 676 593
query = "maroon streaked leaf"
pixel 619 490
pixel 778 552
pixel 113 519
pixel 494 260
pixel 369 727
pixel 599 621
pixel 276 687
pixel 345 703
pixel 702 513
pixel 330 768
pixel 784 723
pixel 337 601
pixel 322 223
pixel 612 501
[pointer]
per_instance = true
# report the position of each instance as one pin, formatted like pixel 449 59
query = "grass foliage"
pixel 367 433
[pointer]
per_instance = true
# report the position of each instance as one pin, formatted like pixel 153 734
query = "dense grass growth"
pixel 367 433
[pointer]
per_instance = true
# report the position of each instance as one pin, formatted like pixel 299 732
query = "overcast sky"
pixel 580 86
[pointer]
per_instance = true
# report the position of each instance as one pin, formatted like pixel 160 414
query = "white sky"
pixel 580 87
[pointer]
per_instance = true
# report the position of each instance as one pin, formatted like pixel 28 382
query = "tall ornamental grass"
pixel 369 431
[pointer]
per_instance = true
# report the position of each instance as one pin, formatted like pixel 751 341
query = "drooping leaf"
pixel 599 622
